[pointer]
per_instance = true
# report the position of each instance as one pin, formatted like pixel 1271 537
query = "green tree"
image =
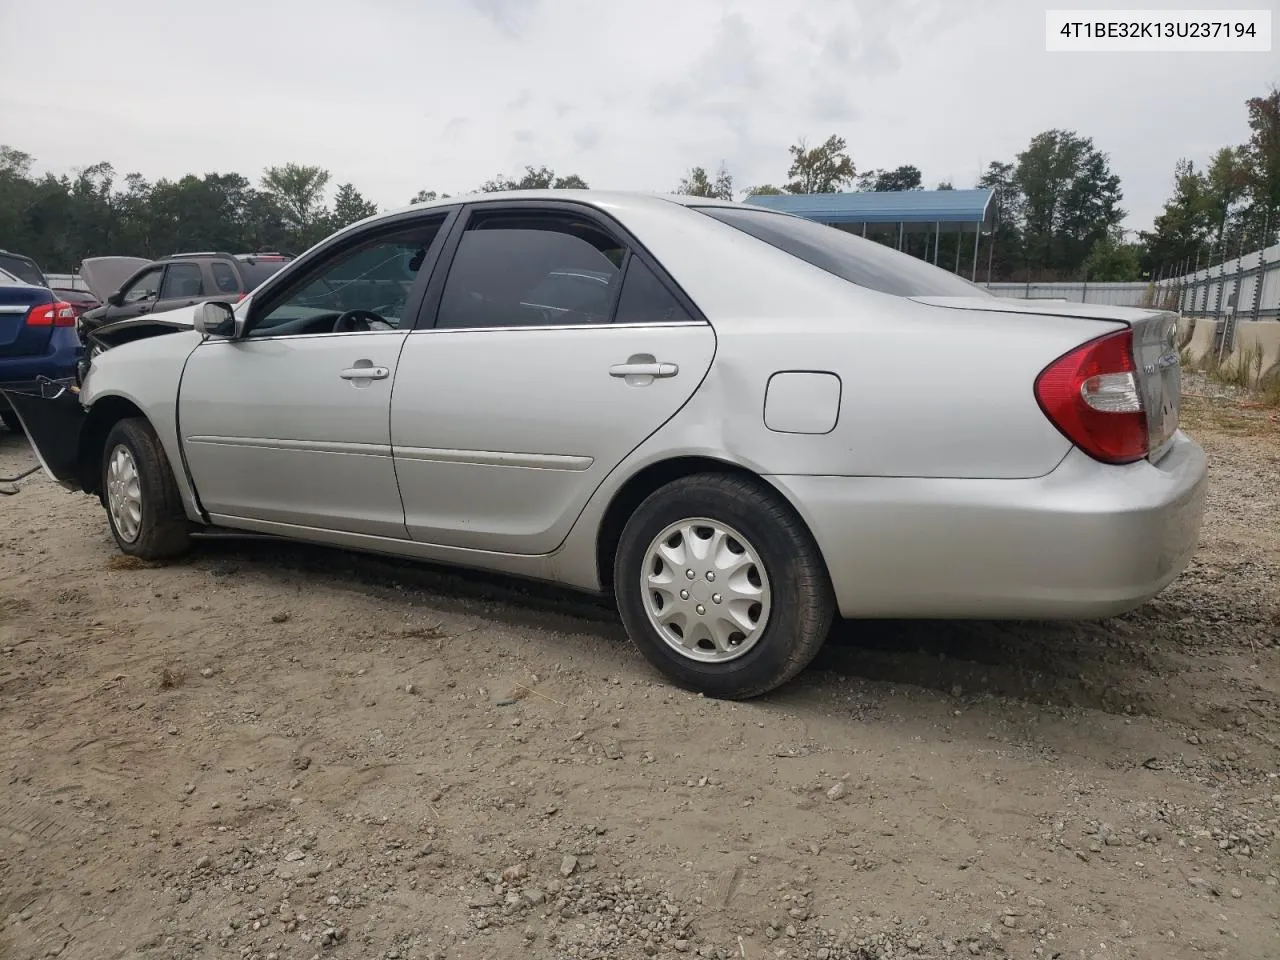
pixel 821 169
pixel 1226 185
pixel 1263 157
pixel 426 196
pixel 133 217
pixel 535 178
pixel 349 207
pixel 1182 229
pixel 1070 199
pixel 696 183
pixel 299 190
pixel 1111 259
pixel 765 190
pixel 944 185
pixel 886 181
pixel 1009 254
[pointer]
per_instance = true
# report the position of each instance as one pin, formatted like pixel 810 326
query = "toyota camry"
pixel 738 422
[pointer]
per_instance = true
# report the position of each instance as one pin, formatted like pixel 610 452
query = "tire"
pixel 10 420
pixel 157 529
pixel 784 606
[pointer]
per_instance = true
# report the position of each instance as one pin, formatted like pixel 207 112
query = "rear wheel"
pixel 144 507
pixel 721 586
pixel 10 420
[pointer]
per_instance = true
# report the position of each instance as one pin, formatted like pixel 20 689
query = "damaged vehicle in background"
pixel 179 280
pixel 38 342
pixel 738 422
pixel 28 271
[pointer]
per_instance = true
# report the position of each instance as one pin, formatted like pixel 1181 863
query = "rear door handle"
pixel 365 373
pixel 643 370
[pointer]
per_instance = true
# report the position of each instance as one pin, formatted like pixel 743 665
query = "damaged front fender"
pixel 53 420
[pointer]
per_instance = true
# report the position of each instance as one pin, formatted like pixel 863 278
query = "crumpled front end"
pixel 52 417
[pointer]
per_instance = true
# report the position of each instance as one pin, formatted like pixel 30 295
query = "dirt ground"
pixel 287 752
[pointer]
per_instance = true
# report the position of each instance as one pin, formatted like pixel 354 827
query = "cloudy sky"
pixel 402 95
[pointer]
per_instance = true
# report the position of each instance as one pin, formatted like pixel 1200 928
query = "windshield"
pixel 22 268
pixel 858 260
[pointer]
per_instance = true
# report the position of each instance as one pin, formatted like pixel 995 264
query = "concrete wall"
pixel 1250 337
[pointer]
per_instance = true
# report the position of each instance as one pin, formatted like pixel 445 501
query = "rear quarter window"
pixel 858 260
pixel 22 268
pixel 255 273
pixel 224 277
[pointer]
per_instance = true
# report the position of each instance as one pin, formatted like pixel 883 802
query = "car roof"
pixel 604 199
pixel 618 202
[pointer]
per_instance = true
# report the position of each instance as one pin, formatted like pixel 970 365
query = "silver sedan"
pixel 738 422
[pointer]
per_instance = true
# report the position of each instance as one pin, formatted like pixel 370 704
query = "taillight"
pixel 58 314
pixel 1092 395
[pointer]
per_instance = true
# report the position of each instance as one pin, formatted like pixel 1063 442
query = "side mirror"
pixel 215 318
pixel 116 298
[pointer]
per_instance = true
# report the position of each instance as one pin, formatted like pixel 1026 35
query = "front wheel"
pixel 143 504
pixel 721 586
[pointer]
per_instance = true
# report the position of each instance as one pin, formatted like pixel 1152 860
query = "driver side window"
pixel 146 287
pixel 356 289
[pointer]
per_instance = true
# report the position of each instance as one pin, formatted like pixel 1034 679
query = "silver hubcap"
pixel 124 494
pixel 705 590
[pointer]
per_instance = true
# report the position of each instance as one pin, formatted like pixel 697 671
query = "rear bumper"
pixel 57 363
pixel 1085 541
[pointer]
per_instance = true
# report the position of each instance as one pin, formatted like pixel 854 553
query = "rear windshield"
pixel 8 279
pixel 22 268
pixel 254 273
pixel 856 259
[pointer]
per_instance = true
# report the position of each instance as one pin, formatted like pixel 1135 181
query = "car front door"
pixel 287 426
pixel 138 296
pixel 548 352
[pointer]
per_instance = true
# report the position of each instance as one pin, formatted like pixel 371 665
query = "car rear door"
pixel 183 285
pixel 510 409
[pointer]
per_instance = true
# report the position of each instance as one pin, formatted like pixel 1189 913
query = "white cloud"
pixel 402 95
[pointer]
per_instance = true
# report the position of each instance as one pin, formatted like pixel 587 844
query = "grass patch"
pixel 1269 388
pixel 1241 370
pixel 1228 418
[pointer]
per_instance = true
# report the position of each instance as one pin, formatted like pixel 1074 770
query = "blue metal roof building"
pixel 912 211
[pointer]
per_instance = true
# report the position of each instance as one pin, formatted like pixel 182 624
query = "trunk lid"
pixel 16 338
pixel 1155 351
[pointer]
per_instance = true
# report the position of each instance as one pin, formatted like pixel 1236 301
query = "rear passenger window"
pixel 182 280
pixel 644 298
pixel 530 270
pixel 224 277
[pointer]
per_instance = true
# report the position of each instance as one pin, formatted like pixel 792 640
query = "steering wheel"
pixel 357 321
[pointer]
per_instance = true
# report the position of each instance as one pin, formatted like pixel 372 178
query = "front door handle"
pixel 365 373
pixel 643 370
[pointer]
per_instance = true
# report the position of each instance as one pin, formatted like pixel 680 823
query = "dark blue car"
pixel 38 340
